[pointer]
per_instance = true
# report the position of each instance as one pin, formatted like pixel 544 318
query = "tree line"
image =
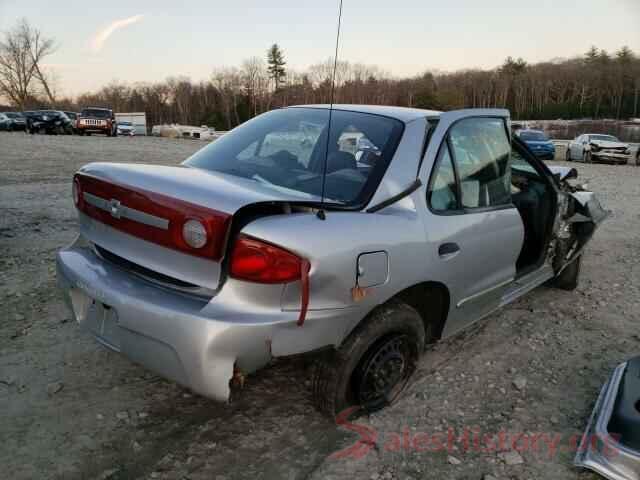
pixel 597 84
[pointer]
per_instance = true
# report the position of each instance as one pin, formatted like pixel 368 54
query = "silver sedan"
pixel 356 233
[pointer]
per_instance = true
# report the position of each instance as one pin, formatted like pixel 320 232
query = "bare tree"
pixel 21 53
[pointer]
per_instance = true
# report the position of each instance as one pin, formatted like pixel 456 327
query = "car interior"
pixel 533 196
pixel 292 156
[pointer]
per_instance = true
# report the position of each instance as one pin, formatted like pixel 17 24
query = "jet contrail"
pixel 98 40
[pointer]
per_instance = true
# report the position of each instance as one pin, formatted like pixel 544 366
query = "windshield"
pixel 94 112
pixel 13 115
pixel 533 136
pixel 285 149
pixel 125 124
pixel 606 138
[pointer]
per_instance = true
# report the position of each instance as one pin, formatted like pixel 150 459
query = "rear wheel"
pixel 373 365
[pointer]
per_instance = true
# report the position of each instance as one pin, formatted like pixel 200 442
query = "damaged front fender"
pixel 583 214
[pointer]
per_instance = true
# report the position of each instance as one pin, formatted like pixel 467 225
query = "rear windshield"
pixel 287 150
pixel 92 112
pixel 13 115
pixel 533 136
pixel 604 138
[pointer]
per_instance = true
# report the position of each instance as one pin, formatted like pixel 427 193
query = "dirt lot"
pixel 71 409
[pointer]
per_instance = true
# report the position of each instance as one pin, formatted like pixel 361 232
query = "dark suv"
pixel 48 121
pixel 97 120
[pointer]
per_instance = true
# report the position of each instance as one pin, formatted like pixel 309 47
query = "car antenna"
pixel 321 214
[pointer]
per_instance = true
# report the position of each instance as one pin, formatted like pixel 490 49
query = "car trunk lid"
pixel 137 212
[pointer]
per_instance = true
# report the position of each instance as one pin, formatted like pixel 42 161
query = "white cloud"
pixel 99 39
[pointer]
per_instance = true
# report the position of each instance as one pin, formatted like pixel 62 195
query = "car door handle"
pixel 447 250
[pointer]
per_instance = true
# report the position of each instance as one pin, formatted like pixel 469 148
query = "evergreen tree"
pixel 591 55
pixel 275 60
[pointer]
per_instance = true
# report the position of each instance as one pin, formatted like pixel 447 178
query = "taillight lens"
pixel 256 261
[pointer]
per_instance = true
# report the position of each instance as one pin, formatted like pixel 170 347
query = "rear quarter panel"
pixel 333 245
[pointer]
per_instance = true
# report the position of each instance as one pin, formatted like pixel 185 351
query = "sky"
pixel 139 40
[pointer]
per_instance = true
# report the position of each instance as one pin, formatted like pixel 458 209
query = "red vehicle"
pixel 97 120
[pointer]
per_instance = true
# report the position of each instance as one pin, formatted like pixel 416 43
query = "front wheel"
pixel 567 155
pixel 586 157
pixel 373 365
pixel 569 278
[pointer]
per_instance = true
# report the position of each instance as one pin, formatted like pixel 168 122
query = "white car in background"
pixel 126 129
pixel 596 147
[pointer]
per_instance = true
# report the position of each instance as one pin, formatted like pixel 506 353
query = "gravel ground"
pixel 71 409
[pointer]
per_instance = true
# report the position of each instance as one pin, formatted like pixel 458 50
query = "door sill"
pixel 526 283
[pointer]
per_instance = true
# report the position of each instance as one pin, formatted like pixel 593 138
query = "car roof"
pixel 404 114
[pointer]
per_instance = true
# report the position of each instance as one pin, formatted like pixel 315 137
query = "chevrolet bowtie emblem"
pixel 115 208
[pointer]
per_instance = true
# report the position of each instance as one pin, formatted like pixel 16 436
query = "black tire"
pixel 567 155
pixel 587 158
pixel 569 278
pixel 340 376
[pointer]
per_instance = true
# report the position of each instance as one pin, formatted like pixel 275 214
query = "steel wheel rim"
pixel 383 372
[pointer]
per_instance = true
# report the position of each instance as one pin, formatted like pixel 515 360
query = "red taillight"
pixel 256 261
pixel 173 223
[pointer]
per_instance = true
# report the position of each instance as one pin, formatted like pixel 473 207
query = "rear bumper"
pixel 194 341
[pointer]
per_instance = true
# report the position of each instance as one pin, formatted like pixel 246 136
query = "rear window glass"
pixel 287 150
pixel 92 112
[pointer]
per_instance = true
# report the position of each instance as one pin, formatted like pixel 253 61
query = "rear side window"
pixel 481 151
